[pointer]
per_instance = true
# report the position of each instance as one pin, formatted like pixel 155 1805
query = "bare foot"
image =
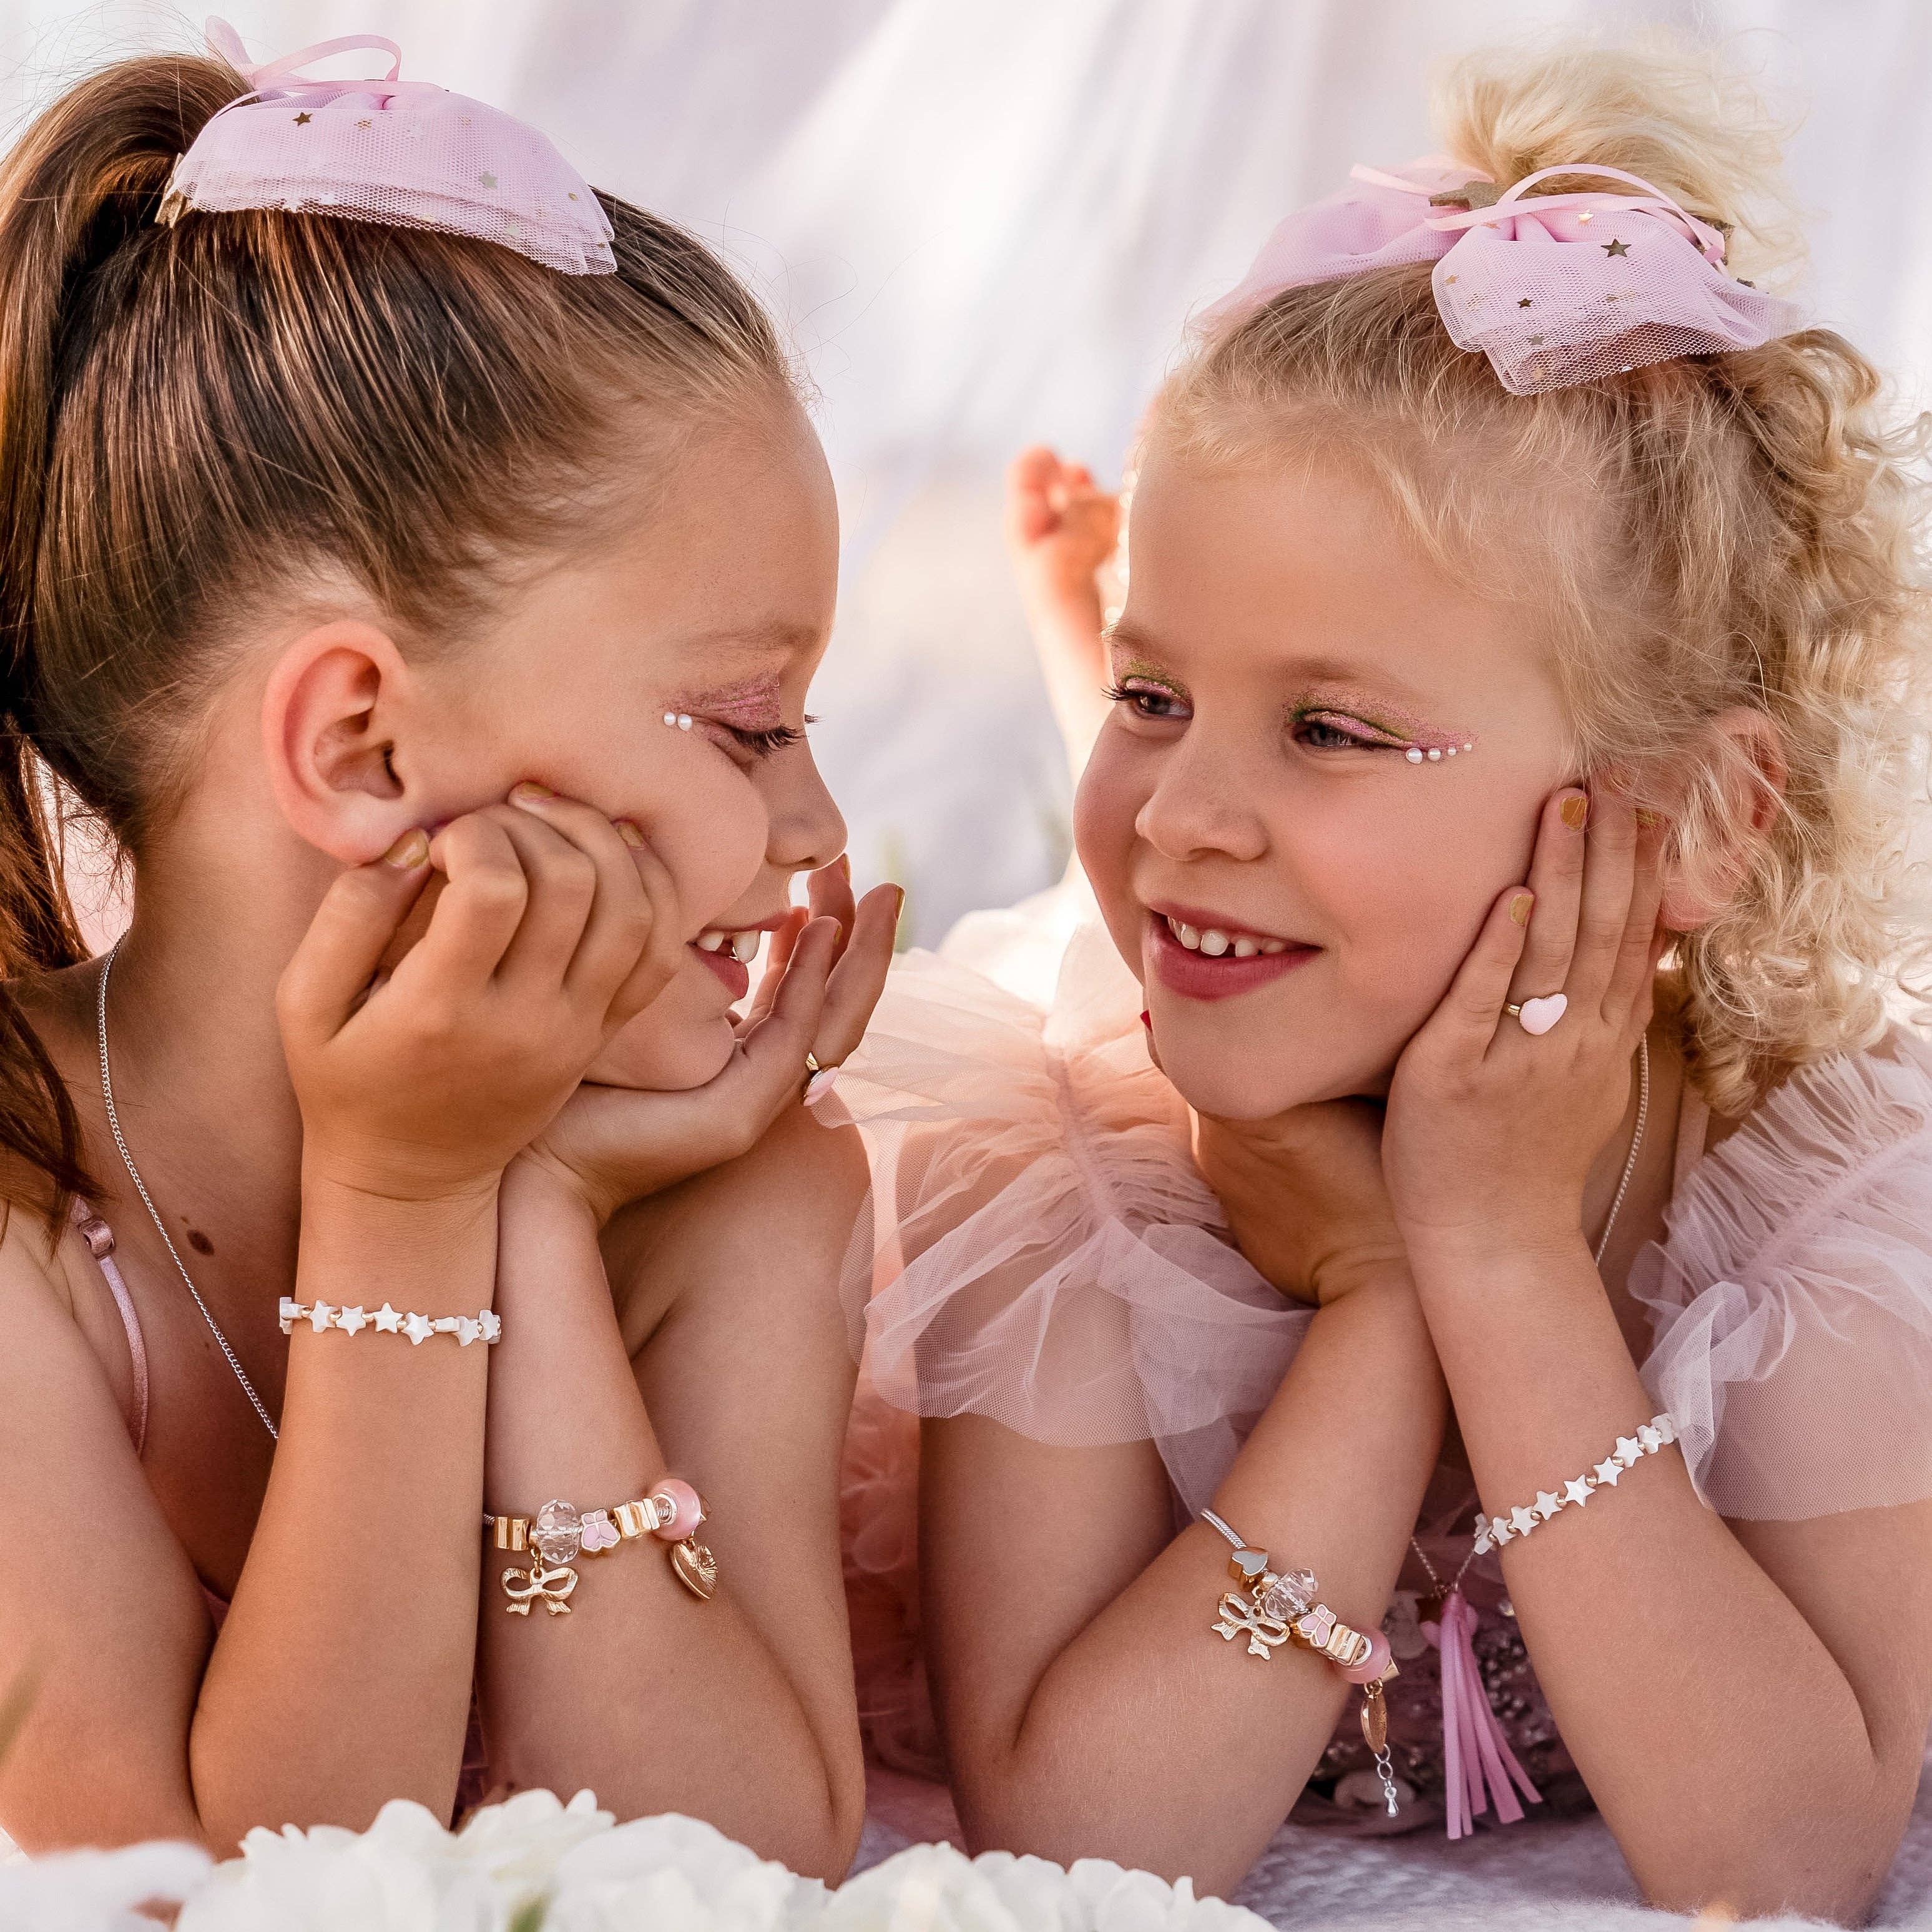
pixel 1062 530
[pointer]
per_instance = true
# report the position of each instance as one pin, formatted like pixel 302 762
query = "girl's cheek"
pixel 1105 804
pixel 711 837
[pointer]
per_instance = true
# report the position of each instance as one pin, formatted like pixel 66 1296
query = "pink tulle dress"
pixel 1040 1250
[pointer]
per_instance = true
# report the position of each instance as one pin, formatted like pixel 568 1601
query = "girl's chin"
pixel 1246 1082
pixel 661 1060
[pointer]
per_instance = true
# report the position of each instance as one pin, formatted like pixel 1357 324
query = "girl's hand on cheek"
pixel 424 1084
pixel 1304 1195
pixel 1492 1131
pixel 826 968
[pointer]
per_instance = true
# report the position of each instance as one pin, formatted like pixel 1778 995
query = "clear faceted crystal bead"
pixel 1289 1594
pixel 556 1533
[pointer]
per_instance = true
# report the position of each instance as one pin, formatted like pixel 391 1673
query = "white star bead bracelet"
pixel 1493 1532
pixel 487 1325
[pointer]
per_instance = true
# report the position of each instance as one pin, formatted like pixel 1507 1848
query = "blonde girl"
pixel 1502 820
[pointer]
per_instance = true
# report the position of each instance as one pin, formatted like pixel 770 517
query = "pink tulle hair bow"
pixel 403 152
pixel 1554 289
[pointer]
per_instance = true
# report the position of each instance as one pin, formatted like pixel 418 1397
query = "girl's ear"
pixel 1720 832
pixel 330 713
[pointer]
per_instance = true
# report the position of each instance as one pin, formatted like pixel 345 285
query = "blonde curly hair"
pixel 1705 533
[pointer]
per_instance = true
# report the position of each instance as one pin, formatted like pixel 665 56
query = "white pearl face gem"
pixel 1414 754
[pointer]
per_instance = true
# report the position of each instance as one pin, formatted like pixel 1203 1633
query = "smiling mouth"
pixel 729 953
pixel 1215 961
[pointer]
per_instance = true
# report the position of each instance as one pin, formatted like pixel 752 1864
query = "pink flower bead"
pixel 1375 1664
pixel 688 1512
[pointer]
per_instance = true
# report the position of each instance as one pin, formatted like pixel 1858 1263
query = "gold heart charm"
pixel 1247 1565
pixel 695 1567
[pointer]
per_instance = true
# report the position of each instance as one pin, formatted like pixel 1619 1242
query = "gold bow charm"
pixel 540 1584
pixel 1265 1634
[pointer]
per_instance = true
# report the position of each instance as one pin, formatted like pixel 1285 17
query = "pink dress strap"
pixel 99 1239
pixel 1694 1128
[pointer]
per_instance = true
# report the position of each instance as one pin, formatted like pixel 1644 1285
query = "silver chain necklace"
pixel 1603 1249
pixel 147 1200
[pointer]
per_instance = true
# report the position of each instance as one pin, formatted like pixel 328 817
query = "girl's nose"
pixel 1199 808
pixel 808 830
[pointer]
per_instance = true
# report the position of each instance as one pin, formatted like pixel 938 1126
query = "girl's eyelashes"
pixel 759 741
pixel 1143 699
pixel 771 738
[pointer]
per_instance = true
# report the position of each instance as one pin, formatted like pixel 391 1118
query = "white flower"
pixel 675 1872
pixel 97 1891
pixel 934 1888
pixel 533 1861
pixel 518 1843
pixel 405 1873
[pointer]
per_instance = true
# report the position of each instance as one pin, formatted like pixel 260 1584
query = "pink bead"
pixel 688 1512
pixel 1375 1664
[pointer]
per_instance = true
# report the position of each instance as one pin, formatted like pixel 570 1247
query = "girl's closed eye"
pixel 741 741
pixel 762 741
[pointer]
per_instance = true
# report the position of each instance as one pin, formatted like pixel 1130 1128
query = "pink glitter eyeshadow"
pixel 752 705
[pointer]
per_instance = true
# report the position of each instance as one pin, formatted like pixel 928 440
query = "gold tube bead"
pixel 512 1531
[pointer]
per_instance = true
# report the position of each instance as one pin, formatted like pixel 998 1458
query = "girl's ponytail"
pixel 85 178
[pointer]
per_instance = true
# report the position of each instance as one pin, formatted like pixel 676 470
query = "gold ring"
pixel 812 1065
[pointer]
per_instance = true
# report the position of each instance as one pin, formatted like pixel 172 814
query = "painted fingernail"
pixel 1147 1021
pixel 1647 820
pixel 1575 811
pixel 845 862
pixel 629 833
pixel 409 851
pixel 1519 907
pixel 529 792
pixel 900 906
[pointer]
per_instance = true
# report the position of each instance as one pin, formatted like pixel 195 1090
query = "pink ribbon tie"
pixel 406 154
pixel 1555 289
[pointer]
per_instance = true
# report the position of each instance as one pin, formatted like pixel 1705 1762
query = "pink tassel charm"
pixel 1479 1764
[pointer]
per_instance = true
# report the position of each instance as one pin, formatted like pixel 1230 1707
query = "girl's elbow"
pixel 1821 1868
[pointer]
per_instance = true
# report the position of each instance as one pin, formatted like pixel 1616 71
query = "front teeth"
pixel 743 946
pixel 1214 942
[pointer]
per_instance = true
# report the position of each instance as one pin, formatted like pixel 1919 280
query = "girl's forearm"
pixel 655 1699
pixel 1722 1742
pixel 341 1676
pixel 1152 1740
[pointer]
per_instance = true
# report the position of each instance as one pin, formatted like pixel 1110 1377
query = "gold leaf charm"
pixel 695 1567
pixel 1374 1719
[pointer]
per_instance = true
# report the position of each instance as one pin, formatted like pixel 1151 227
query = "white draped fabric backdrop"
pixel 984 222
